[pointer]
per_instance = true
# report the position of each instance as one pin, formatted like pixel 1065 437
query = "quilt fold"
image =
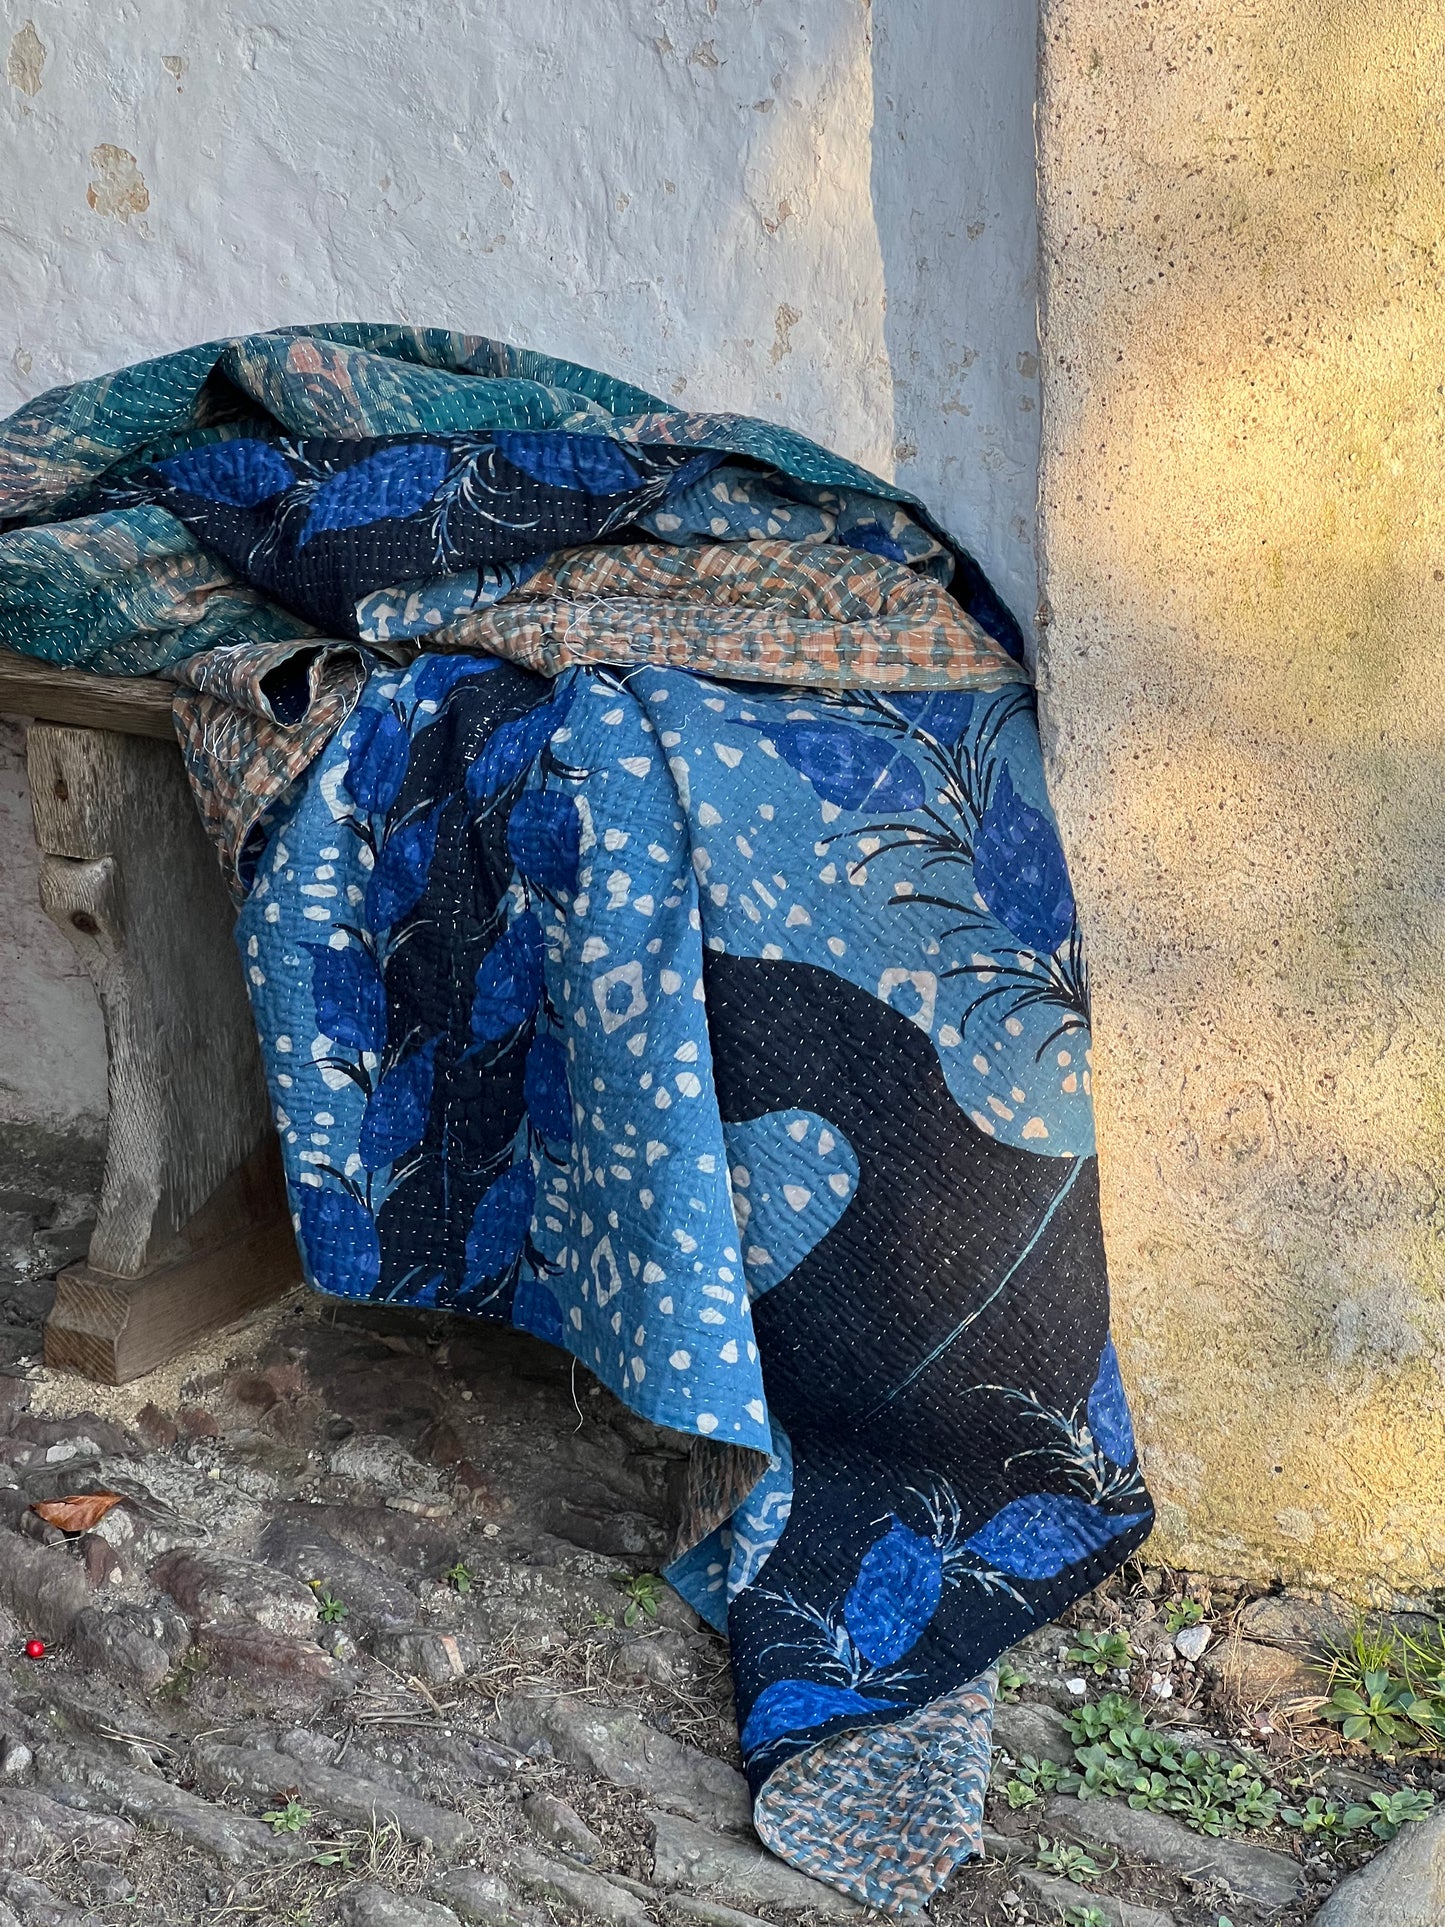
pixel 660 941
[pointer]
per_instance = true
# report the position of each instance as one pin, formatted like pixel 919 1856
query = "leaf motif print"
pixel 436 676
pixel 544 1087
pixel 394 1121
pixel 399 880
pixel 338 1233
pixel 1019 868
pixel 349 996
pixel 875 540
pixel 535 1309
pixel 943 714
pixel 241 473
pixel 544 837
pixel 789 1706
pixel 512 748
pixel 591 464
pixel 1108 1410
pixel 851 768
pixel 508 981
pixel 896 1593
pixel 499 1224
pixel 387 486
pixel 377 761
pixel 1036 1537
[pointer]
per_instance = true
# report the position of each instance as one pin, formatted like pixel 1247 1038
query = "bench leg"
pixel 192 1229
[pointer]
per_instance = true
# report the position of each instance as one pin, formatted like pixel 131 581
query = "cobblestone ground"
pixel 369 1638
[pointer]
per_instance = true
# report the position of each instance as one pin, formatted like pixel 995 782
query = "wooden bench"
pixel 192 1229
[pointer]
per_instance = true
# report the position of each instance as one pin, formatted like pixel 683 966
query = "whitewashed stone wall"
pixel 816 210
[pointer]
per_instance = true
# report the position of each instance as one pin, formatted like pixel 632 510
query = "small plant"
pixel 643 1592
pixel 1010 1681
pixel 1111 1715
pixel 329 1609
pixel 1180 1613
pixel 1032 1779
pixel 288 1819
pixel 338 1855
pixel 1100 1653
pixel 1377 1713
pixel 1073 1863
pixel 459 1577
pixel 1085 1917
pixel 1385 1813
pixel 1317 1815
pixel 1387 1687
pixel 1120 1756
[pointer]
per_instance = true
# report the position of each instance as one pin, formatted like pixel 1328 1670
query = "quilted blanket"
pixel 672 954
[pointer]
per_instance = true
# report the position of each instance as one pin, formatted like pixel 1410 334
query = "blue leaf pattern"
pixel 544 1087
pixel 499 1225
pixel 338 1235
pixel 394 482
pixel 513 748
pixel 1109 1419
pixel 896 1593
pixel 394 1121
pixel 1018 865
pixel 377 762
pixel 875 539
pixel 239 473
pixel 400 877
pixel 796 1705
pixel 852 768
pixel 535 1310
pixel 544 836
pixel 1036 1537
pixel 435 677
pixel 589 463
pixel 349 997
pixel 944 713
pixel 508 981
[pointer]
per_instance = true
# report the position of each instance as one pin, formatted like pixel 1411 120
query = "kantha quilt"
pixel 663 944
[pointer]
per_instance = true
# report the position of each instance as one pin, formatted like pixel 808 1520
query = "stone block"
pixel 214 1589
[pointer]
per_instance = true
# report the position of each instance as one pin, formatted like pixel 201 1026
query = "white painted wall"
pixel 816 210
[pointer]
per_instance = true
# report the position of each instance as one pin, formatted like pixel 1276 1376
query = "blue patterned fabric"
pixel 131 505
pixel 736 1041
pixel 732 1037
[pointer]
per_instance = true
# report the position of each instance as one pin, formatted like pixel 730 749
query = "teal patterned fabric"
pixel 130 591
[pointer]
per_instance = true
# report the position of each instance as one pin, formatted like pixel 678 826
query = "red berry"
pixel 35 1649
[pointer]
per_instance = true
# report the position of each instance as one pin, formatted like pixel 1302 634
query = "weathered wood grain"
pixel 129 877
pixel 134 705
pixel 192 1227
pixel 238 1252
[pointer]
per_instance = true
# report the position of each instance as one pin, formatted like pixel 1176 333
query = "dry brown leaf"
pixel 78 1513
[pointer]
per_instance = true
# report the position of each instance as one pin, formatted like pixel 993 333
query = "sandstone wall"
pixel 1242 210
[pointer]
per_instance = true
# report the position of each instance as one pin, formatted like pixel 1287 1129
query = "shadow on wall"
pixel 953 186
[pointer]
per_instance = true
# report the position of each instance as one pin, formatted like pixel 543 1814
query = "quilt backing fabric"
pixel 711 1005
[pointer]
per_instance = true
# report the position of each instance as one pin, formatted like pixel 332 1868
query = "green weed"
pixel 288 1819
pixel 1100 1653
pixel 1073 1863
pixel 1385 1813
pixel 643 1592
pixel 1180 1613
pixel 1010 1681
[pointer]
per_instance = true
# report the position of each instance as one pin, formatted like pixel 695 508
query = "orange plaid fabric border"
pixel 761 611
